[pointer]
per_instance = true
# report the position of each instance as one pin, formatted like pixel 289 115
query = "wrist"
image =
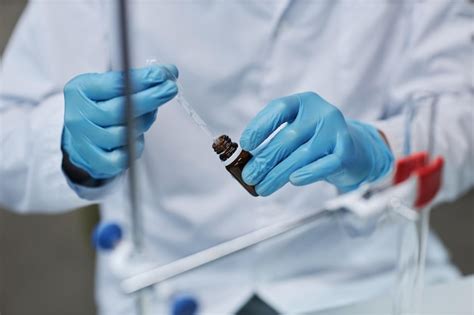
pixel 382 153
pixel 376 147
pixel 79 176
pixel 73 170
pixel 385 139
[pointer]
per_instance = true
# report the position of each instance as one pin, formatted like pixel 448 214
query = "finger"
pixel 116 136
pixel 100 163
pixel 316 171
pixel 110 138
pixel 310 151
pixel 171 70
pixel 104 86
pixel 112 112
pixel 97 162
pixel 285 142
pixel 268 120
pixel 279 148
pixel 280 174
pixel 139 146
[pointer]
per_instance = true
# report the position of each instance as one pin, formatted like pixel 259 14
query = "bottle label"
pixel 233 156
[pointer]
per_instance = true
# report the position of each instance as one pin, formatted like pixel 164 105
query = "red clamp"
pixel 429 175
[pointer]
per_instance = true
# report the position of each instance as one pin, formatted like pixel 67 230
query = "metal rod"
pixel 130 123
pixel 191 262
pixel 432 127
pixel 136 224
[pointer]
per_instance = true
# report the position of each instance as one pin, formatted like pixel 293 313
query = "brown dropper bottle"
pixel 229 150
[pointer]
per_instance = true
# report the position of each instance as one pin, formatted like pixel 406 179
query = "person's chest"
pixel 235 56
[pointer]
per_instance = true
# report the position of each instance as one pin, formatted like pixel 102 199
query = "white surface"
pixel 454 298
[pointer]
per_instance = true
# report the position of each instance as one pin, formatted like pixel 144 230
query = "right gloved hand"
pixel 94 135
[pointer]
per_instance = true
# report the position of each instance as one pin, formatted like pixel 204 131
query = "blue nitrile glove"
pixel 94 135
pixel 316 144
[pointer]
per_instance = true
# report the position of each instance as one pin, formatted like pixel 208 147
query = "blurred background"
pixel 47 262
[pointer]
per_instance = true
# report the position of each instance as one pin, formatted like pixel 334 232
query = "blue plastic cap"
pixel 106 235
pixel 184 304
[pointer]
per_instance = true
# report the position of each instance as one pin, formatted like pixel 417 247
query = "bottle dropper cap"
pixel 224 146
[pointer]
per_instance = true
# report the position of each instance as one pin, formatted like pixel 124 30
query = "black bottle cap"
pixel 224 146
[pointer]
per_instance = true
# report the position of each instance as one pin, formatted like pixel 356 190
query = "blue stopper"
pixel 184 304
pixel 106 235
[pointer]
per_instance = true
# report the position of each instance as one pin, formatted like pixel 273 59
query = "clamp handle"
pixel 429 175
pixel 429 182
pixel 406 166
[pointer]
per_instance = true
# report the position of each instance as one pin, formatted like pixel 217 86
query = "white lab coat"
pixel 364 56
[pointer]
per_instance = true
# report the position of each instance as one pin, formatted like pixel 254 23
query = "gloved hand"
pixel 94 135
pixel 316 144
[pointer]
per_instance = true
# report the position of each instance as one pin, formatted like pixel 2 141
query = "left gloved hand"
pixel 316 144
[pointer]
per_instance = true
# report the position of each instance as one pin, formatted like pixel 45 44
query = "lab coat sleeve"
pixel 438 59
pixel 53 42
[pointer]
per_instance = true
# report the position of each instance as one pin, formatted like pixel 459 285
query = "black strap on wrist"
pixel 79 176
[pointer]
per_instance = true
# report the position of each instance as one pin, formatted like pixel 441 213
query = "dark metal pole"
pixel 136 223
pixel 131 137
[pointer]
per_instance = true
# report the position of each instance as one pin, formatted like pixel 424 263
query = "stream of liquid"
pixel 192 113
pixel 181 100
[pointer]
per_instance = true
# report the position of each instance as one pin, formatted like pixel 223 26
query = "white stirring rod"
pixel 161 273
